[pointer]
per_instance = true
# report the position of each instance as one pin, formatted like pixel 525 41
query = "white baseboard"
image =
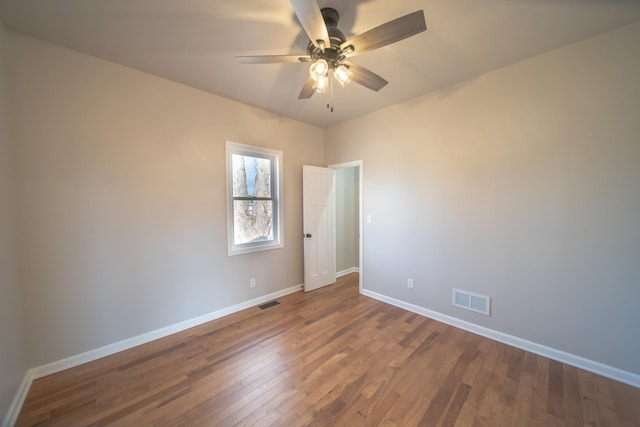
pixel 89 356
pixel 616 374
pixel 347 271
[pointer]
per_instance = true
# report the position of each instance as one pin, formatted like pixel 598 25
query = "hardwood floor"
pixel 331 357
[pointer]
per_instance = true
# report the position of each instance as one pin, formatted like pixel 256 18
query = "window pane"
pixel 251 176
pixel 253 207
pixel 252 221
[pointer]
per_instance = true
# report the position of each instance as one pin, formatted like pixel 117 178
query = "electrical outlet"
pixel 410 283
pixel 252 283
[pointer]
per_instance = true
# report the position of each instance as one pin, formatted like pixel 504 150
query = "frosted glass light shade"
pixel 342 74
pixel 318 69
pixel 321 84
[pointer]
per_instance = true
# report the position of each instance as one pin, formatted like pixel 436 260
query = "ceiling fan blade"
pixel 310 17
pixel 385 34
pixel 366 77
pixel 272 59
pixel 307 89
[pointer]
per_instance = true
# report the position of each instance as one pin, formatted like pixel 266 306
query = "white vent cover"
pixel 470 301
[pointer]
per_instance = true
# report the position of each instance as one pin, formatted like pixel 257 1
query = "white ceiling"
pixel 194 42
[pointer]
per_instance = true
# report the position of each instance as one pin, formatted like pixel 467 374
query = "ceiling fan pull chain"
pixel 329 106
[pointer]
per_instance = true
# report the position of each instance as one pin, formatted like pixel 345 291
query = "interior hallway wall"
pixel 347 218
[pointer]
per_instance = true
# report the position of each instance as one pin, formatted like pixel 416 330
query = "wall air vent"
pixel 470 301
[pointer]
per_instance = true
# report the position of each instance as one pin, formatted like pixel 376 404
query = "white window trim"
pixel 278 232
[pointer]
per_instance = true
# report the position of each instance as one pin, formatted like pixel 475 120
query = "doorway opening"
pixel 348 219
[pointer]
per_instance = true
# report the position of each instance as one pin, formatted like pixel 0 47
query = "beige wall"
pixel 13 364
pixel 121 184
pixel 522 184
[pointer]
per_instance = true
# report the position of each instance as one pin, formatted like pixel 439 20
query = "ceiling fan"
pixel 328 48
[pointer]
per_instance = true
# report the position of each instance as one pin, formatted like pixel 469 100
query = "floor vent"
pixel 470 301
pixel 267 305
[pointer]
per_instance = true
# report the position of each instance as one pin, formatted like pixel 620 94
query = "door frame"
pixel 359 165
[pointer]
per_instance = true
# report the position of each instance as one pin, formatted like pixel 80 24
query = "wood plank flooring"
pixel 331 357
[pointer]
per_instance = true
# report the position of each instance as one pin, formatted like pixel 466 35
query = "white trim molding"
pixel 347 271
pixel 616 374
pixel 107 350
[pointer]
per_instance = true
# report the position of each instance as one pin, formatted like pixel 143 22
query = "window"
pixel 253 199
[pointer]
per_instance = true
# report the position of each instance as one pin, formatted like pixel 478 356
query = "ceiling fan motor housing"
pixel 332 54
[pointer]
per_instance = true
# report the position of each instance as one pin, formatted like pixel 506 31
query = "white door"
pixel 319 227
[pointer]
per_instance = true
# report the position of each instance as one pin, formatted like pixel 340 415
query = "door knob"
pixel 308 236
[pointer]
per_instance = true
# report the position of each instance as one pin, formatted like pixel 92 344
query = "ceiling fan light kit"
pixel 329 59
pixel 328 49
pixel 319 72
